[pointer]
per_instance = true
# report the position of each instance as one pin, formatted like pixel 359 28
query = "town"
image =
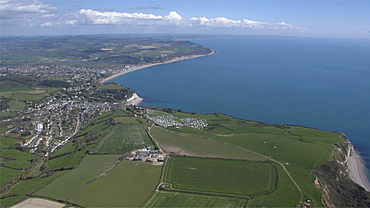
pixel 51 122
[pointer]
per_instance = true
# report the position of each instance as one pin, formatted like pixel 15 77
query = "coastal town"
pixel 50 123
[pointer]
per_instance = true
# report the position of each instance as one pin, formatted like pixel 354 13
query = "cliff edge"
pixel 335 181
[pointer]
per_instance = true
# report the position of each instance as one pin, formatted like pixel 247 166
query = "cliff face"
pixel 334 181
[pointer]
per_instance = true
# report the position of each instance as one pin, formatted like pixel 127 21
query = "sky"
pixel 313 18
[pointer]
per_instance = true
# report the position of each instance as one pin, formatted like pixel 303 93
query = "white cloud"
pixel 14 9
pixel 32 13
pixel 173 16
pixel 46 24
pixel 172 19
pixel 88 16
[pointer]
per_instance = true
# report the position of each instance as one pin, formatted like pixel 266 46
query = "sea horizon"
pixel 314 82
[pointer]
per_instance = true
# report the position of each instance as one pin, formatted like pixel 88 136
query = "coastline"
pixel 357 170
pixel 155 64
pixel 134 100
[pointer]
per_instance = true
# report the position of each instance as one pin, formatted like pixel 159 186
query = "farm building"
pixel 155 152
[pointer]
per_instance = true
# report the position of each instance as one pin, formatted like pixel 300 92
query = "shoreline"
pixel 154 64
pixel 134 100
pixel 357 169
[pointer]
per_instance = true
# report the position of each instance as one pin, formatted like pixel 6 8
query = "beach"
pixel 357 170
pixel 155 64
pixel 134 100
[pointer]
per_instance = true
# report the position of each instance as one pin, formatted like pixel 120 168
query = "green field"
pixel 7 174
pixel 287 149
pixel 16 105
pixel 128 185
pixel 171 199
pixel 6 94
pixel 68 161
pixel 32 92
pixel 69 147
pixel 90 168
pixel 4 115
pixel 122 139
pixel 289 144
pixel 286 194
pixel 15 89
pixel 22 159
pixel 25 96
pixel 27 187
pixel 185 144
pixel 233 177
pixel 128 120
pixel 110 86
pixel 7 142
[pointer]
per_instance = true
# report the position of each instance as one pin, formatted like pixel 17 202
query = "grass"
pixel 33 92
pixel 185 144
pixel 57 78
pixel 28 187
pixel 110 86
pixel 6 142
pixel 69 147
pixel 170 199
pixel 6 94
pixel 15 89
pixel 16 105
pixel 304 178
pixel 287 149
pixel 128 185
pixel 289 144
pixel 91 167
pixel 7 174
pixel 68 161
pixel 26 96
pixel 4 115
pixel 22 159
pixel 244 178
pixel 122 139
pixel 128 120
pixel 286 195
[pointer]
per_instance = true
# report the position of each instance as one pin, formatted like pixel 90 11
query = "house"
pixel 138 158
pixel 155 152
pixel 161 159
pixel 143 152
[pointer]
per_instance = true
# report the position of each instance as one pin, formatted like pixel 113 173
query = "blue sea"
pixel 314 82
